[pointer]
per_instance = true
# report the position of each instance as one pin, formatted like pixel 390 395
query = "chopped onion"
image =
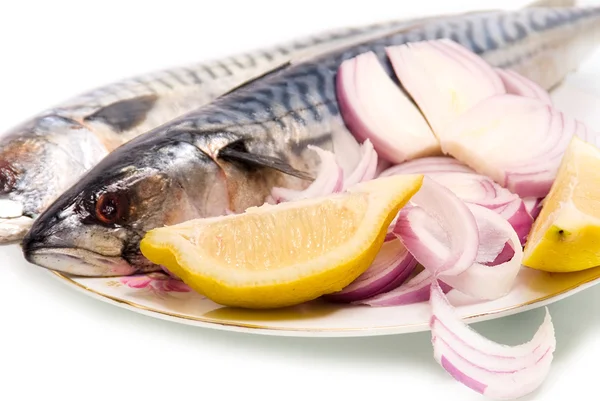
pixel 485 280
pixel 475 189
pixel 517 84
pixel 413 291
pixel 438 229
pixel 439 164
pixel 494 370
pixel 373 107
pixel 480 190
pixel 444 78
pixel 392 266
pixel 484 138
pixel 366 168
pixel 329 180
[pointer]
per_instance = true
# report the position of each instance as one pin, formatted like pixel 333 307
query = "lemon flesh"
pixel 566 235
pixel 281 255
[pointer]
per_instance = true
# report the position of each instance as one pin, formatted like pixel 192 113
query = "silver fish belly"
pixel 227 155
pixel 41 158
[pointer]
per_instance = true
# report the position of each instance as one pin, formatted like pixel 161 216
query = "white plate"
pixel 169 299
pixel 578 96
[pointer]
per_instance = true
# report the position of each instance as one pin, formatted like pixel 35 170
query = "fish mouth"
pixel 80 262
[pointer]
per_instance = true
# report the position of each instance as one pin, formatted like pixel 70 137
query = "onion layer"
pixel 494 370
pixel 373 107
pixel 330 179
pixel 474 189
pixel 392 266
pixel 440 164
pixel 486 278
pixel 366 168
pixel 484 139
pixel 444 78
pixel 413 291
pixel 438 229
pixel 517 84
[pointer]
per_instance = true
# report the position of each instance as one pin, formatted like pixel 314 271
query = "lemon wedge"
pixel 566 235
pixel 281 255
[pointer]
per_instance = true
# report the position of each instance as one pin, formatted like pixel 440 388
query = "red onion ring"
pixel 392 266
pixel 438 229
pixel 494 370
pixel 485 280
pixel 413 291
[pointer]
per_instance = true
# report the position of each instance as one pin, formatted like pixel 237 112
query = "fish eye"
pixel 111 207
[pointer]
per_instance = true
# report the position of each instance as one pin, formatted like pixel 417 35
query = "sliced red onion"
pixel 479 190
pixel 434 164
pixel 330 179
pixel 484 139
pixel 444 78
pixel 485 280
pixel 438 229
pixel 366 168
pixel 413 291
pixel 373 107
pixel 517 84
pixel 494 370
pixel 533 206
pixel 519 218
pixel 392 266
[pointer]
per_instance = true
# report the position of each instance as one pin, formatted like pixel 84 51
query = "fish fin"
pixel 237 151
pixel 125 114
pixel 552 3
pixel 262 75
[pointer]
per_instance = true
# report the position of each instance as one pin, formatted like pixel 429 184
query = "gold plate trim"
pixel 300 329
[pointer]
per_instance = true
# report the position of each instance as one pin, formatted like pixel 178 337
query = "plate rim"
pixel 273 330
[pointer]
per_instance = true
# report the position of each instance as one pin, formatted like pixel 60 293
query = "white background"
pixel 55 342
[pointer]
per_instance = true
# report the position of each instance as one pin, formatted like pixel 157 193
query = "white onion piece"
pixel 494 370
pixel 489 281
pixel 392 266
pixel 484 138
pixel 433 164
pixel 438 229
pixel 330 179
pixel 517 84
pixel 444 78
pixel 413 291
pixel 366 168
pixel 373 107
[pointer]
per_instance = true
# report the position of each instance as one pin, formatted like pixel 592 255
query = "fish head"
pixel 38 161
pixel 94 228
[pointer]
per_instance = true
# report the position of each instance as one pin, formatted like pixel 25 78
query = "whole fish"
pixel 229 154
pixel 41 158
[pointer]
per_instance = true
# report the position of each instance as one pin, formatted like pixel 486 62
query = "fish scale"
pixel 256 137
